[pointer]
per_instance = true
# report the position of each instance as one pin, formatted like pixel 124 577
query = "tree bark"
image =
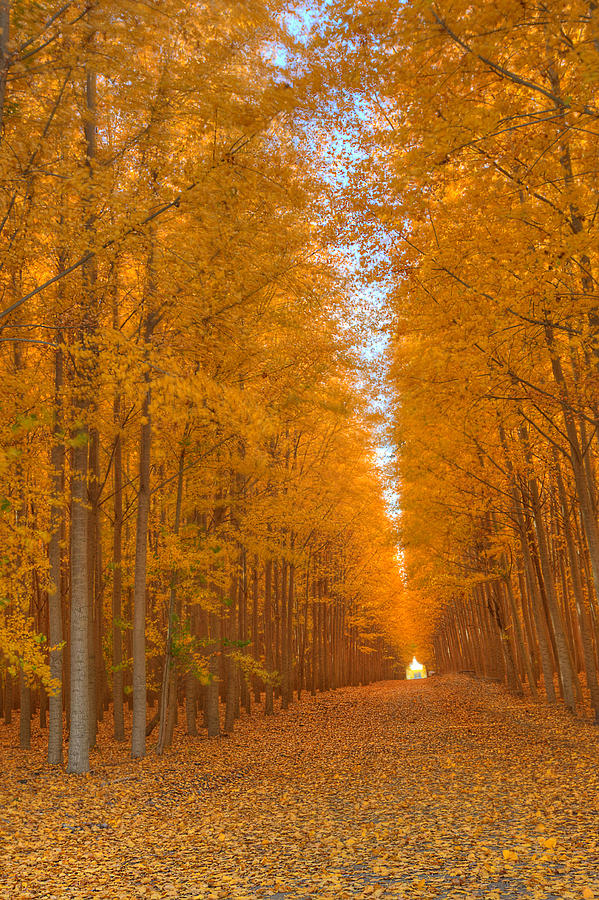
pixel 533 591
pixel 231 665
pixel 191 692
pixel 78 760
pixel 169 690
pixel 4 56
pixel 138 731
pixel 268 636
pixel 92 549
pixel 585 624
pixel 24 711
pixel 118 715
pixel 567 674
pixel 57 460
pixel 212 708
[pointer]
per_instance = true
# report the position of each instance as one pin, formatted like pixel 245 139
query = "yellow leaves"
pixel 548 843
pixel 265 812
pixel 468 254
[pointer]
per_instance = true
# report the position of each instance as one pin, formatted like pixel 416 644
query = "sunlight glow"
pixel 415 670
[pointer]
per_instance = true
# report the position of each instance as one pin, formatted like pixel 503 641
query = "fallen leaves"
pixel 549 843
pixel 345 795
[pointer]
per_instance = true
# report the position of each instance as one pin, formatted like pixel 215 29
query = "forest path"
pixel 401 789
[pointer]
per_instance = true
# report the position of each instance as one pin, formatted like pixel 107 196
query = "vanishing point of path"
pixel 447 788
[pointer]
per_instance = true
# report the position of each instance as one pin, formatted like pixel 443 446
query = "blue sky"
pixel 368 295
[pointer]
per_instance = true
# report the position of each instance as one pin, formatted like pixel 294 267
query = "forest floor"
pixel 446 788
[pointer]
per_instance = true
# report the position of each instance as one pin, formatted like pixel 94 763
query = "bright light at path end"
pixel 415 670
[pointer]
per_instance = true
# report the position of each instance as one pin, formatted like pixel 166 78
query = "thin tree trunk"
pixel 231 665
pixel 285 625
pixel 8 697
pixel 172 707
pixel 567 674
pixel 585 625
pixel 533 591
pixel 118 715
pixel 24 711
pixel 78 760
pixel 4 56
pixel 290 609
pixel 211 709
pixel 191 703
pixel 520 639
pixel 245 697
pixel 169 690
pixel 92 549
pixel 583 489
pixel 268 634
pixel 277 624
pixel 255 629
pixel 138 731
pixel 55 637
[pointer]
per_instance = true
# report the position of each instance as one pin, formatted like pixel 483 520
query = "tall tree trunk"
pixel 118 715
pixel 24 711
pixel 118 683
pixel 191 693
pixel 585 625
pixel 172 706
pixel 268 637
pixel 285 625
pixel 314 644
pixel 512 677
pixel 4 56
pixel 533 591
pixel 92 549
pixel 583 489
pixel 520 638
pixel 277 624
pixel 255 629
pixel 304 636
pixel 138 731
pixel 8 697
pixel 290 610
pixel 78 760
pixel 231 665
pixel 245 697
pixel 211 709
pixel 567 674
pixel 57 461
pixel 169 690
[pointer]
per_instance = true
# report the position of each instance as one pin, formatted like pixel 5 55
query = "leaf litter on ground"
pixel 446 788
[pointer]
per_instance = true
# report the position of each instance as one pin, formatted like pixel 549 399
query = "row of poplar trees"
pixel 189 504
pixel 477 185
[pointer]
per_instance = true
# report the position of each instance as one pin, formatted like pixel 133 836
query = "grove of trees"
pixel 201 205
pixel 190 507
pixel 477 181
